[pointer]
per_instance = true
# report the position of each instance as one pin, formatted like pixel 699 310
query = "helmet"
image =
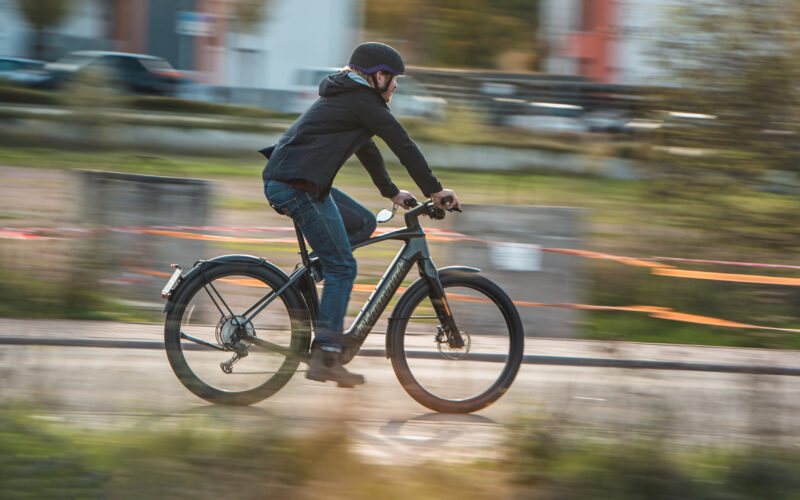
pixel 372 57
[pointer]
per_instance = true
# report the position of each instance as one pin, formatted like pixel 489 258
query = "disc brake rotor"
pixel 453 353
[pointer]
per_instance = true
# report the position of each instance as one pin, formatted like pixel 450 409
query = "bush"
pixel 18 95
pixel 174 104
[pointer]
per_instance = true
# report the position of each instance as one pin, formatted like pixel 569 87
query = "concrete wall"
pixel 110 199
pixel 197 141
pixel 512 260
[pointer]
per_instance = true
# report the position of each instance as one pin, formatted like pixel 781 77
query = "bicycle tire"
pixel 196 313
pixel 444 380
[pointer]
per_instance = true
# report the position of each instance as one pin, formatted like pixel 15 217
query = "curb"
pixel 633 364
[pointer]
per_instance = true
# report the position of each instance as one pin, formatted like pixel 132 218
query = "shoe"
pixel 327 365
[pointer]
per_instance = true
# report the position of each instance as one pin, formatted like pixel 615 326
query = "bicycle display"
pixel 238 327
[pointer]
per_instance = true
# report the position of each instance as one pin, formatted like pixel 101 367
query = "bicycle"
pixel 454 337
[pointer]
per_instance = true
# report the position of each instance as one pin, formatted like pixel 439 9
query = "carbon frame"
pixel 415 250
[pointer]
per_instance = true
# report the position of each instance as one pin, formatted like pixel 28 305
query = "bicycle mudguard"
pixel 202 265
pixel 422 281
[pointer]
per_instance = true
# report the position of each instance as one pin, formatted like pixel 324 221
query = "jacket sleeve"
pixel 380 121
pixel 369 156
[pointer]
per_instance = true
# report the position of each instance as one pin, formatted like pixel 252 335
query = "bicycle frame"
pixel 415 250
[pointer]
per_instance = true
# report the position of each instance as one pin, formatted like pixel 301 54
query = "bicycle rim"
pixel 210 319
pixel 459 379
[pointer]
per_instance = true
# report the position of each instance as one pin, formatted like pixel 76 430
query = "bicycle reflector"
pixel 173 280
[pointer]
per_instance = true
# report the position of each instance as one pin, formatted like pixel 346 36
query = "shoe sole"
pixel 338 384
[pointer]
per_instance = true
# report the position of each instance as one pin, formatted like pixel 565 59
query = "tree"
pixel 458 33
pixel 736 60
pixel 248 14
pixel 43 15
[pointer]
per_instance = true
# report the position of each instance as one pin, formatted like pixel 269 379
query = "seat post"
pixel 301 241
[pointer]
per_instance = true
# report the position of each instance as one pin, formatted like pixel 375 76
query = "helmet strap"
pixel 375 82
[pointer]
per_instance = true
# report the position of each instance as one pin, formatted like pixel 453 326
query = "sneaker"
pixel 327 365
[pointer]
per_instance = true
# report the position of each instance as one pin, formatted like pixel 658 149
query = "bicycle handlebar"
pixel 428 208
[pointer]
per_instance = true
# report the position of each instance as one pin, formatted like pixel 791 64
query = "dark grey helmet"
pixel 372 57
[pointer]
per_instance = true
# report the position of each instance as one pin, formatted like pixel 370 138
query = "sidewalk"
pixel 537 350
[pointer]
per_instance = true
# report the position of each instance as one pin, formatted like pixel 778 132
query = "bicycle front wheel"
pixel 464 379
pixel 223 349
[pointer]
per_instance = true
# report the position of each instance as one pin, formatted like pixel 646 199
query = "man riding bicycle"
pixel 298 182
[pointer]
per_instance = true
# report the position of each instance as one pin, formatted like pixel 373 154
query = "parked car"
pixel 410 98
pixel 10 67
pixel 136 73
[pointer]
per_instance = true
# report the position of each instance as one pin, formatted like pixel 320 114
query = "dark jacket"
pixel 342 122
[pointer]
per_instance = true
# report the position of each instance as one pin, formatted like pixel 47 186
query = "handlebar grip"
pixel 410 202
pixel 446 201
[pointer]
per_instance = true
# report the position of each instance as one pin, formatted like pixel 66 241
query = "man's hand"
pixel 444 193
pixel 400 197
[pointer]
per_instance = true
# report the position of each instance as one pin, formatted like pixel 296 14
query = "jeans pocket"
pixel 285 199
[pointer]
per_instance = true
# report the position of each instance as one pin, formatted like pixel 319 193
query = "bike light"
pixel 173 280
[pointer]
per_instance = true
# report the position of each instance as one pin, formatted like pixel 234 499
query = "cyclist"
pixel 298 182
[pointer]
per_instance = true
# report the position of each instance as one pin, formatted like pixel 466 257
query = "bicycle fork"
pixel 439 302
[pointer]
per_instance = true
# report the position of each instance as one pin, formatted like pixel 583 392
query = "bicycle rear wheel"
pixel 208 327
pixel 459 380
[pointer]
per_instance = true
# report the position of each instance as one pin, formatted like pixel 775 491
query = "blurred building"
pixel 604 40
pixel 203 37
pixel 86 25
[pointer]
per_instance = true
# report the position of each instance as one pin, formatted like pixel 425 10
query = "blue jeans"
pixel 330 226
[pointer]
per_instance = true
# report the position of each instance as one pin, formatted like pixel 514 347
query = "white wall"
pixel 84 21
pixel 559 18
pixel 13 30
pixel 641 28
pixel 295 34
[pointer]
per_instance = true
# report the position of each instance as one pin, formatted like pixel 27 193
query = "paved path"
pixel 567 352
pixel 135 388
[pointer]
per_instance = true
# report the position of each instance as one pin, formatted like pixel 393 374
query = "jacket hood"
pixel 338 83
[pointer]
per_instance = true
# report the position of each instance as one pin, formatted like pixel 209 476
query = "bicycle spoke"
pixel 219 296
pixel 221 312
pixel 266 298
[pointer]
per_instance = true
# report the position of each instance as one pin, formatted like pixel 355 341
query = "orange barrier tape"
pixel 652 311
pixel 739 278
pixel 667 270
pixel 437 235
pixel 655 267
pixel 212 237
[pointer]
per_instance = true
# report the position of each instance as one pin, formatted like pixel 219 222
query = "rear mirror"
pixel 384 215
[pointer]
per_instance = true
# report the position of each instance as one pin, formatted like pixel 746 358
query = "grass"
pixel 132 162
pixel 461 125
pixel 618 217
pixel 37 295
pixel 203 460
pixel 45 458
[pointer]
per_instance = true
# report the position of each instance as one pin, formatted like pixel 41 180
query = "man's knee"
pixel 370 225
pixel 344 270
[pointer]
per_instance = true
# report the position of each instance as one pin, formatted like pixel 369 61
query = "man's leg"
pixel 359 222
pixel 322 225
